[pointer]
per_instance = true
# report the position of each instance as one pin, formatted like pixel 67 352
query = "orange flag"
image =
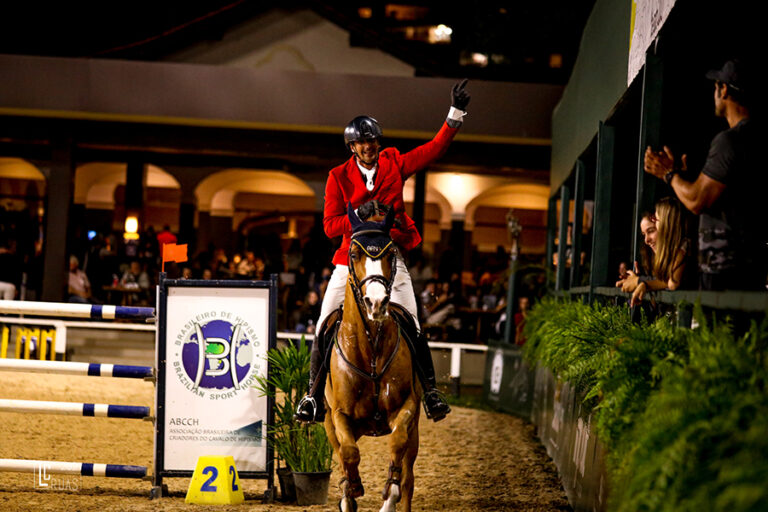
pixel 173 252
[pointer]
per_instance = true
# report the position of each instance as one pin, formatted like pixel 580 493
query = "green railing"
pixel 751 302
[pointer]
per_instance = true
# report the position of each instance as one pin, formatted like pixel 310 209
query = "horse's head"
pixel 372 256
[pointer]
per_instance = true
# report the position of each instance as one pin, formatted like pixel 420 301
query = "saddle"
pixel 326 337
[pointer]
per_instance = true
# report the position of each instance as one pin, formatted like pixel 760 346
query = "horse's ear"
pixel 354 220
pixel 389 220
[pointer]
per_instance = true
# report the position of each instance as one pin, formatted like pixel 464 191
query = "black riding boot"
pixel 435 405
pixel 311 407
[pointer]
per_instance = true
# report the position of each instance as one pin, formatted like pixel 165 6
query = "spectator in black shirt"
pixel 729 193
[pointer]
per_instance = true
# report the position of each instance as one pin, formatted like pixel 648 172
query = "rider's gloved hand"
pixel 459 96
pixel 459 101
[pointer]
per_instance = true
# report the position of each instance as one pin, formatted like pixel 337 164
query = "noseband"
pixel 357 284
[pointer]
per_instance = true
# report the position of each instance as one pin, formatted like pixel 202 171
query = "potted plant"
pixel 304 449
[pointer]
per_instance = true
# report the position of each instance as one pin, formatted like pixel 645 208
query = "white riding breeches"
pixel 402 291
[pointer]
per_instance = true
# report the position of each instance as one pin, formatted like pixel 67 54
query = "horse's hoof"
pixel 356 490
pixel 351 488
pixel 350 507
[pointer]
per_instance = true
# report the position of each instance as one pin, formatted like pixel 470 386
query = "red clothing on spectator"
pixel 345 184
pixel 165 237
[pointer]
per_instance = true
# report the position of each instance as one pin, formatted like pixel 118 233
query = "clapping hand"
pixel 660 163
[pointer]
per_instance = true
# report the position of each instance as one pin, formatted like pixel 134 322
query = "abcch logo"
pixel 214 355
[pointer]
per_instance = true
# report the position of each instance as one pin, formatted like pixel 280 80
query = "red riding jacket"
pixel 346 184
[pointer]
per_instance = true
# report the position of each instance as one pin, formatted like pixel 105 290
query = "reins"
pixel 357 284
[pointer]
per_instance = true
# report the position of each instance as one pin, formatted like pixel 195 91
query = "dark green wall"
pixel 598 81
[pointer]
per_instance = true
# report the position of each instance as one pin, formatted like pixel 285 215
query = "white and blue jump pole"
pixel 84 369
pixel 66 310
pixel 73 468
pixel 74 409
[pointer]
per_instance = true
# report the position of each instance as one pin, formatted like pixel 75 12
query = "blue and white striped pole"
pixel 74 409
pixel 63 309
pixel 69 368
pixel 72 468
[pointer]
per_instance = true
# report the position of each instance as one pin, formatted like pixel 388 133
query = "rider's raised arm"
pixel 335 220
pixel 419 158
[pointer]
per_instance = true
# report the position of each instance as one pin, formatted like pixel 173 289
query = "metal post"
pixel 514 228
pixel 650 135
pixel 562 245
pixel 551 228
pixel 578 217
pixel 601 223
pixel 456 371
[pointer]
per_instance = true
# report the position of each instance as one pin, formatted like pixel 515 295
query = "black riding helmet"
pixel 361 128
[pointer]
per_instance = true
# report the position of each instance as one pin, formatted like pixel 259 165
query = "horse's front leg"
pixel 349 457
pixel 403 448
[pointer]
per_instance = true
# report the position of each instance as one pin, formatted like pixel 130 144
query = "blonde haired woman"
pixel 671 251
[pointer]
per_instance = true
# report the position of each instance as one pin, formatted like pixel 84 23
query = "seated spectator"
pixel 260 272
pixel 246 267
pixel 623 270
pixel 207 274
pixel 672 250
pixel 251 267
pixel 523 305
pixel 325 278
pixel 136 277
pixel 307 315
pixel 439 305
pixel 648 229
pixel 79 288
pixel 165 237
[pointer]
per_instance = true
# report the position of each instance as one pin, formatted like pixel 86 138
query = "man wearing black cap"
pixel 729 193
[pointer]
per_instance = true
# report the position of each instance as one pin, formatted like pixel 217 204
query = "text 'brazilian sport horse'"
pixel 371 389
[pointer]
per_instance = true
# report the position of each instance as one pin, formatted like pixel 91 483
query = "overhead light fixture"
pixel 365 12
pixel 131 228
pixel 480 59
pixel 477 59
pixel 440 34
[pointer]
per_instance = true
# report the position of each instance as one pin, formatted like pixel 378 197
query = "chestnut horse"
pixel 371 388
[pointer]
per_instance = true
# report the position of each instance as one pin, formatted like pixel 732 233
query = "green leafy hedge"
pixel 683 413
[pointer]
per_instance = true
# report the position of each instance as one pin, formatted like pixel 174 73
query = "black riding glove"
pixel 459 101
pixel 459 96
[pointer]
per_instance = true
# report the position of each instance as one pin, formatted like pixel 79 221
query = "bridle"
pixel 357 284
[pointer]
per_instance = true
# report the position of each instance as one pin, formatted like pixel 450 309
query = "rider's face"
pixel 367 152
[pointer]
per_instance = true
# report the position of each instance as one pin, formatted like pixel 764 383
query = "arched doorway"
pixel 22 210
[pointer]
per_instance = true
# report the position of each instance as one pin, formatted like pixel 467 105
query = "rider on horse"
pixel 373 174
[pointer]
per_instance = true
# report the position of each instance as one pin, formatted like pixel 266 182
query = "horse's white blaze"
pixel 344 505
pixel 390 504
pixel 374 290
